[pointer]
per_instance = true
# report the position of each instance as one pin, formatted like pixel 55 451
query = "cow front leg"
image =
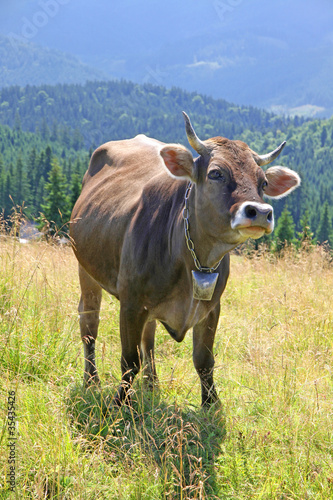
pixel 132 322
pixel 203 358
pixel 89 306
pixel 147 350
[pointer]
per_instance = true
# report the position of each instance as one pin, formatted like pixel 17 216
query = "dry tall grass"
pixel 274 372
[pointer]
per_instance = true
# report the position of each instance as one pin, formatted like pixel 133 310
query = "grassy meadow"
pixel 271 439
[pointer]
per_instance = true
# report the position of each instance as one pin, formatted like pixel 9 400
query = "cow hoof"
pixel 122 397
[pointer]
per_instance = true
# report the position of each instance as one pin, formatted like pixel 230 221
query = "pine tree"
pixel 22 194
pixel 65 136
pixel 285 230
pixel 323 136
pixel 56 208
pixel 40 195
pixel 77 139
pixel 44 130
pixel 32 174
pixel 325 231
pixel 8 203
pixel 19 178
pixel 47 162
pixel 75 189
pixel 68 169
pixel 17 122
pixel 54 133
pixel 41 165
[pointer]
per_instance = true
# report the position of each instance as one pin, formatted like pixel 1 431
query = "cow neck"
pixel 189 241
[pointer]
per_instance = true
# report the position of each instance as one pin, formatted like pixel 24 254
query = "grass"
pixel 272 439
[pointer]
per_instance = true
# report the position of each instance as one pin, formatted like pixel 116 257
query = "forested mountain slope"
pixel 70 119
pixel 114 110
pixel 250 52
pixel 23 62
pixel 26 161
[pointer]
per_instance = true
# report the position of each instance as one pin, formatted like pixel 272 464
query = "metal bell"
pixel 204 285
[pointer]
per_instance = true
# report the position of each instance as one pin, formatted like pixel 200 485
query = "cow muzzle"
pixel 253 220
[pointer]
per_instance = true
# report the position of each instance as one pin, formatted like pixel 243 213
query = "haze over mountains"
pixel 276 55
pixel 24 63
pixel 246 53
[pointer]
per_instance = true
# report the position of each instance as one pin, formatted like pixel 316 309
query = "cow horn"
pixel 262 160
pixel 193 139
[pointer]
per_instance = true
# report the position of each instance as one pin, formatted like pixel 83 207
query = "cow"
pixel 154 228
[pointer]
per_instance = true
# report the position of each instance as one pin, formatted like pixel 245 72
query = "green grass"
pixel 272 438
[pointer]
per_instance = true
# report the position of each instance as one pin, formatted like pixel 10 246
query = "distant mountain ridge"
pixel 25 63
pixel 273 55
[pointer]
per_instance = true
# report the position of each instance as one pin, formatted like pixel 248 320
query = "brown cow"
pixel 154 227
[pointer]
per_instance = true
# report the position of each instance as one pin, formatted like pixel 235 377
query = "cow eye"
pixel 264 185
pixel 216 175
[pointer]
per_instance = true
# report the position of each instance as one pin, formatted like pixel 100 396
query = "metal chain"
pixel 189 242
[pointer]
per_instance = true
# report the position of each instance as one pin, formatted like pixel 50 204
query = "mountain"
pixel 276 55
pixel 69 119
pixel 102 111
pixel 23 63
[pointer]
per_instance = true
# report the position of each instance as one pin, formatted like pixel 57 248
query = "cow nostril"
pixel 250 212
pixel 270 216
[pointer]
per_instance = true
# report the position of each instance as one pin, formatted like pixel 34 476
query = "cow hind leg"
pixel 89 306
pixel 132 323
pixel 203 358
pixel 147 351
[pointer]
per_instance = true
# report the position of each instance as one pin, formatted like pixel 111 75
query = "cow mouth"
pixel 254 232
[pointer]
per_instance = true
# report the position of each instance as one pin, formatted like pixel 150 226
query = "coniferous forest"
pixel 47 134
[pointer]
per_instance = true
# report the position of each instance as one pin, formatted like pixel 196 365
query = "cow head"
pixel 230 184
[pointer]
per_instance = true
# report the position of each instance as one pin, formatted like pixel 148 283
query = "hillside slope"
pixel 73 118
pixel 23 63
pixel 112 110
pixel 268 54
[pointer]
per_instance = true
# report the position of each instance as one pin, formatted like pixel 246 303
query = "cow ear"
pixel 281 182
pixel 178 161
